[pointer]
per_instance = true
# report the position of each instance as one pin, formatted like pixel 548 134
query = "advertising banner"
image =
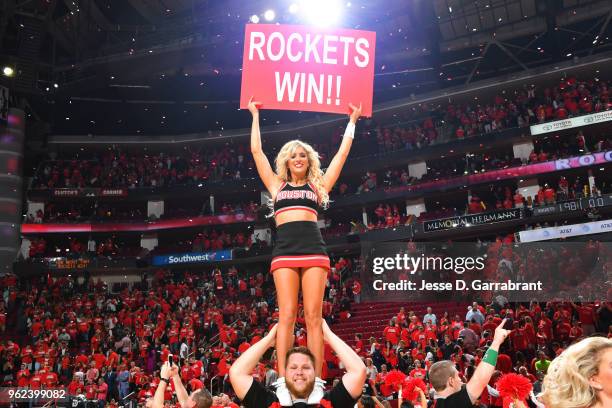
pixel 565 231
pixel 192 257
pixel 472 220
pixel 570 123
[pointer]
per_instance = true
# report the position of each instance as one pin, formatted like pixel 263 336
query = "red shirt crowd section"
pixel 115 168
pixel 67 333
pixel 411 343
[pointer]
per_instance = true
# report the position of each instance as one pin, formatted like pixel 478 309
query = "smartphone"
pixel 170 360
pixel 509 323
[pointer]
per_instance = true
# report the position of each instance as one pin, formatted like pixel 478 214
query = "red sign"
pixel 137 226
pixel 303 68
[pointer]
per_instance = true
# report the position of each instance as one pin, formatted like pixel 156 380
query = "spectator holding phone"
pixel 197 399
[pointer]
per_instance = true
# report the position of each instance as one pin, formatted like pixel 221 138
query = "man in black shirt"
pixel 448 347
pixel 450 390
pixel 299 375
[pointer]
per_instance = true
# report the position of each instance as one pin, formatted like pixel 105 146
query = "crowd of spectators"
pixel 472 163
pixel 72 332
pixel 210 240
pixel 67 246
pixel 380 216
pixel 410 343
pixel 84 211
pixel 370 181
pixel 392 215
pixel 106 346
pixel 524 107
pixel 119 169
pixel 115 246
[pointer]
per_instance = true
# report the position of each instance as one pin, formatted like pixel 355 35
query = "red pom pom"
pixel 513 387
pixel 409 389
pixel 394 378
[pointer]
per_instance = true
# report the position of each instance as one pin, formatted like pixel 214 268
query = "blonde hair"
pixel 315 174
pixel 566 384
pixel 439 374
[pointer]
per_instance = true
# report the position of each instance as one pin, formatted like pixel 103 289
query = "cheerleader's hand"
pixel 254 106
pixel 355 112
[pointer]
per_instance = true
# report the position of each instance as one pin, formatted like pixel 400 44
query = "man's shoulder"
pixel 259 396
pixel 339 396
pixel 459 399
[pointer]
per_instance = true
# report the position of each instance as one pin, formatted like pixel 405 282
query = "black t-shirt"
pixel 260 397
pixel 459 399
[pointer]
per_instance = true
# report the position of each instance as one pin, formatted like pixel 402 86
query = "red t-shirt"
pixel 74 386
pixel 196 384
pixel 391 334
pixel 50 380
pixel 504 363
pixel 35 381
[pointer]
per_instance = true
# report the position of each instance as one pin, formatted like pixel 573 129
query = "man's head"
pixel 225 400
pixel 366 402
pixel 299 372
pixel 444 377
pixel 199 399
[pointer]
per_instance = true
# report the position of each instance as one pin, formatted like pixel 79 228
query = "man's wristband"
pixel 167 380
pixel 350 130
pixel 490 357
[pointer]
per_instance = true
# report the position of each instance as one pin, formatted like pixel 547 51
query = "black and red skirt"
pixel 299 244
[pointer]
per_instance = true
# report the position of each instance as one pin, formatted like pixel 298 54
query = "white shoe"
pixel 282 393
pixel 317 392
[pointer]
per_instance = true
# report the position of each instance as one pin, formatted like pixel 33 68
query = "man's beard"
pixel 303 394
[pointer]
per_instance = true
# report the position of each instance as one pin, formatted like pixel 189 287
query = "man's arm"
pixel 485 369
pixel 355 376
pixel 179 388
pixel 379 404
pixel 240 372
pixel 158 398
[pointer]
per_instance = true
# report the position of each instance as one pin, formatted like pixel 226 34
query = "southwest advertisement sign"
pixel 192 257
pixel 294 67
pixel 570 123
pixel 565 231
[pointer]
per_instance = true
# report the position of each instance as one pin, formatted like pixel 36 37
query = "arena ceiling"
pixel 122 49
